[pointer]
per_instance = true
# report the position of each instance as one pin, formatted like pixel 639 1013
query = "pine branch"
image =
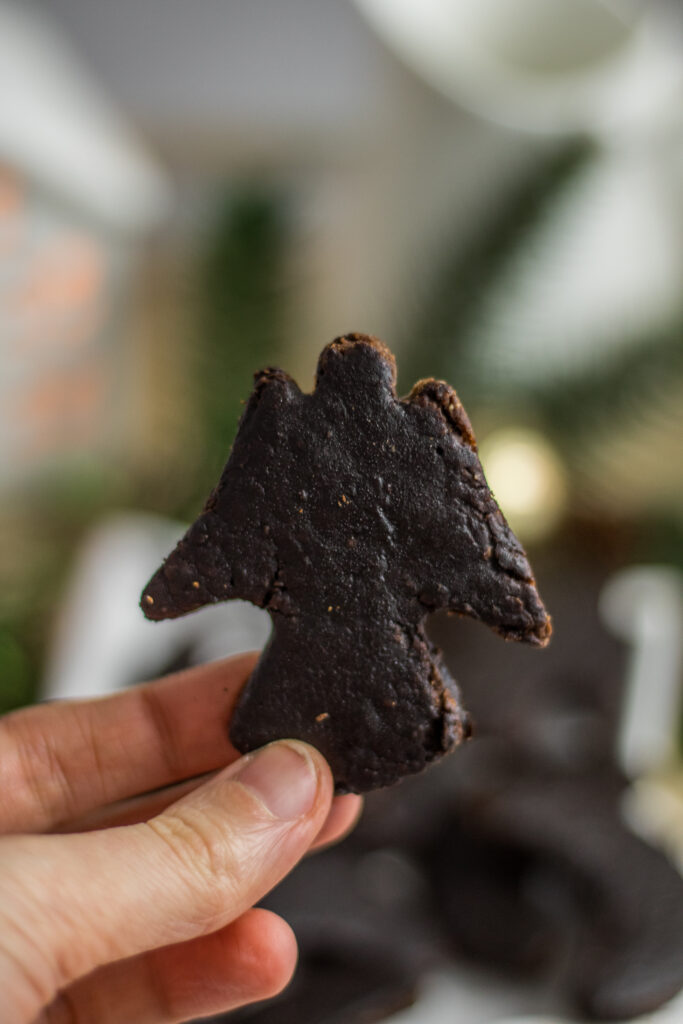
pixel 624 387
pixel 442 334
pixel 241 321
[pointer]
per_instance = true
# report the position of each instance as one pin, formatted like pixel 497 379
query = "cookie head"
pixel 361 359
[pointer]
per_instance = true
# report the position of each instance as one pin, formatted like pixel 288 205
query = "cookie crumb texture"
pixel 350 515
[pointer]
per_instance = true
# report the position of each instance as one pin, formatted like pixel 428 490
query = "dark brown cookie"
pixel 342 977
pixel 364 939
pixel 350 515
pixel 619 899
pixel 481 894
pixel 629 955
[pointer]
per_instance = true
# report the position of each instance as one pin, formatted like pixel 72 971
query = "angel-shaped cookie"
pixel 350 515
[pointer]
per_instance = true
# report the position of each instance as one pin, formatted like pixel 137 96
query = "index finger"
pixel 62 760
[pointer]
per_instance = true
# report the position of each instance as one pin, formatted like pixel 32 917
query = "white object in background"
pixel 103 642
pixel 598 274
pixel 552 66
pixel 644 606
pixel 58 128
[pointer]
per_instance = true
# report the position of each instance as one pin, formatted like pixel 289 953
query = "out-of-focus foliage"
pixel 616 388
pixel 237 328
pixel 38 537
pixel 16 670
pixel 240 325
pixel 440 336
pixel 612 421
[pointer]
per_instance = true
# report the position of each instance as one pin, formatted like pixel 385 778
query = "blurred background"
pixel 189 192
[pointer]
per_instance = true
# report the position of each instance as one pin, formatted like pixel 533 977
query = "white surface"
pixel 459 996
pixel 463 996
pixel 672 1013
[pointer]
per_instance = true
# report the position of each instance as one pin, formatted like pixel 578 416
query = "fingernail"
pixel 283 777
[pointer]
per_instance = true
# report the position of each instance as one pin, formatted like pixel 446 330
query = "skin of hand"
pixel 134 842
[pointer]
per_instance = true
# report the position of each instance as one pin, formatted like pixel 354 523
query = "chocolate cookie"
pixel 629 898
pixel 350 515
pixel 341 978
pixel 612 905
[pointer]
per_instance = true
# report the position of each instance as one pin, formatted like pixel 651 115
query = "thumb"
pixel 71 903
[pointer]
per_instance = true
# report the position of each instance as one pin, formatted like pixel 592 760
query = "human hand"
pixel 135 906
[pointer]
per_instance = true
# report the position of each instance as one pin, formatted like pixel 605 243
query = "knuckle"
pixel 205 851
pixel 38 774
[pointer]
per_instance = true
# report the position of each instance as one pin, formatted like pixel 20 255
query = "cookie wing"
pixel 474 563
pixel 227 552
